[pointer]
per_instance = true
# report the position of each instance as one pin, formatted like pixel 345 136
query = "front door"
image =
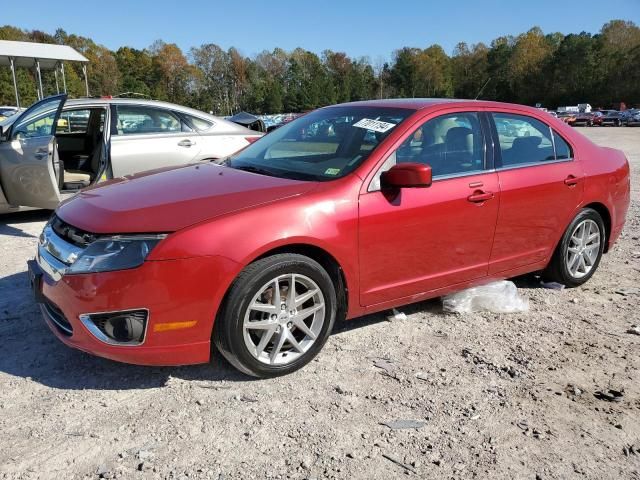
pixel 29 165
pixel 422 239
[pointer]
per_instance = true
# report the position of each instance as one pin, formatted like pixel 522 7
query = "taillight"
pixel 251 139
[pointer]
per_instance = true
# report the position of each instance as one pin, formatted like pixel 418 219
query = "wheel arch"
pixel 327 261
pixel 606 218
pixel 320 255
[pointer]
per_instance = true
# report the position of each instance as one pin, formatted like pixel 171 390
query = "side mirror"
pixel 406 175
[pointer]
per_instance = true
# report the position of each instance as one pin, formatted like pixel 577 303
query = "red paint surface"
pixel 393 250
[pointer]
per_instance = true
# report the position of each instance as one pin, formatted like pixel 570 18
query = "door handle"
pixel 479 196
pixel 40 156
pixel 186 143
pixel 571 181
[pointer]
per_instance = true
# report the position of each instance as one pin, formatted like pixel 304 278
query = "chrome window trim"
pixel 462 174
pixel 534 164
pixel 85 319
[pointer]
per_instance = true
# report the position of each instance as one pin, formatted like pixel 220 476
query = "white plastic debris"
pixel 498 297
pixel 396 315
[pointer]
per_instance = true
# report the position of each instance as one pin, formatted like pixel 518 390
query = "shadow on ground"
pixel 31 351
pixel 9 223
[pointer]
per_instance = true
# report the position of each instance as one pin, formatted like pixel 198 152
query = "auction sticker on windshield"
pixel 375 125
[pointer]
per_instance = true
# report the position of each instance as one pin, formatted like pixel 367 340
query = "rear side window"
pixel 73 121
pixel 523 140
pixel 136 120
pixel 563 150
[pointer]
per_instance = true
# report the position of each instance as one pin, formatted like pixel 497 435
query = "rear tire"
pixel 265 331
pixel 579 252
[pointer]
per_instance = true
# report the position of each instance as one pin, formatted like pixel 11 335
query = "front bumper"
pixel 181 296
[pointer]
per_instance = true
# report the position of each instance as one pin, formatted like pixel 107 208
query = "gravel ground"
pixel 495 395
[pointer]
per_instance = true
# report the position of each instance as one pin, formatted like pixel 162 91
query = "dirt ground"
pixel 497 395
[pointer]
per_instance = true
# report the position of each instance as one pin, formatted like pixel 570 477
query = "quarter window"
pixel 563 150
pixel 198 123
pixel 136 120
pixel 525 140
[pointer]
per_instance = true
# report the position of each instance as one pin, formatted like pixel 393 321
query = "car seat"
pixel 523 150
pixel 77 179
pixel 458 151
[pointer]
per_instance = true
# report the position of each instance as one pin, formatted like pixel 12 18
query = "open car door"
pixel 29 165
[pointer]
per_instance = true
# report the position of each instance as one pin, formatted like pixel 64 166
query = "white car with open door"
pixel 58 146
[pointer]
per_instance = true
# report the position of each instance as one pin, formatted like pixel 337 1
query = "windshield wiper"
pixel 258 170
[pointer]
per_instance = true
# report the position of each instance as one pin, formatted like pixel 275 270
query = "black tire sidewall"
pixel 559 264
pixel 230 323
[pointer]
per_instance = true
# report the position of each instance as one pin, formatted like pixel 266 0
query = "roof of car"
pixel 76 102
pixel 130 101
pixel 422 103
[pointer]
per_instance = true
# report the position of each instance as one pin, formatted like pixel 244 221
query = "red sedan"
pixel 348 210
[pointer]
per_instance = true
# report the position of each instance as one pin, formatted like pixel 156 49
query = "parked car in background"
pixel 6 112
pixel 566 117
pixel 582 119
pixel 631 117
pixel 59 146
pixel 397 202
pixel 612 118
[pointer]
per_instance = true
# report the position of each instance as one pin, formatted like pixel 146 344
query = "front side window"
pixel 38 121
pixel 323 145
pixel 136 120
pixel 524 140
pixel 450 144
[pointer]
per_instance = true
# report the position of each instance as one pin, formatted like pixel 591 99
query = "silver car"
pixel 58 146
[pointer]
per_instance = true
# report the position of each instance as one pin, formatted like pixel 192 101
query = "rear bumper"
pixel 182 297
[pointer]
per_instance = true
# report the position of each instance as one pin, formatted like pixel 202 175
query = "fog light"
pixel 118 328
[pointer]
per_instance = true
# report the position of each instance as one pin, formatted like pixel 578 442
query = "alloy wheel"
pixel 583 249
pixel 284 319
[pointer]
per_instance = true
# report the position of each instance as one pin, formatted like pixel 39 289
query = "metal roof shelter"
pixel 40 56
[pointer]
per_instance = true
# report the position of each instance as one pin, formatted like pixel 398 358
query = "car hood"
pixel 170 199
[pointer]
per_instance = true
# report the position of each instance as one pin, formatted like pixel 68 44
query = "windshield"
pixel 323 145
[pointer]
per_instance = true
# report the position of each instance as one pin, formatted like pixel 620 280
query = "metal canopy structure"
pixel 40 56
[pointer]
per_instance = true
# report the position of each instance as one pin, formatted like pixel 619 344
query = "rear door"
pixel 149 137
pixel 29 165
pixel 541 186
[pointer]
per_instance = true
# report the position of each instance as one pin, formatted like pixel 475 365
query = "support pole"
pixel 15 84
pixel 40 92
pixel 55 72
pixel 86 82
pixel 64 80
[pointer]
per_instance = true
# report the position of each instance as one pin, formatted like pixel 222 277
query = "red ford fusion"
pixel 348 210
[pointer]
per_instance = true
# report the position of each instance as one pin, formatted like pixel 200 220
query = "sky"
pixel 373 28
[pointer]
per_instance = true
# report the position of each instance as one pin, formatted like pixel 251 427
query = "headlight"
pixel 117 253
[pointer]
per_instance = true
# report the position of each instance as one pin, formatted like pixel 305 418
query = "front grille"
pixel 57 318
pixel 71 234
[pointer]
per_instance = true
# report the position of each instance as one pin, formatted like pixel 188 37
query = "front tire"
pixel 277 315
pixel 578 255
